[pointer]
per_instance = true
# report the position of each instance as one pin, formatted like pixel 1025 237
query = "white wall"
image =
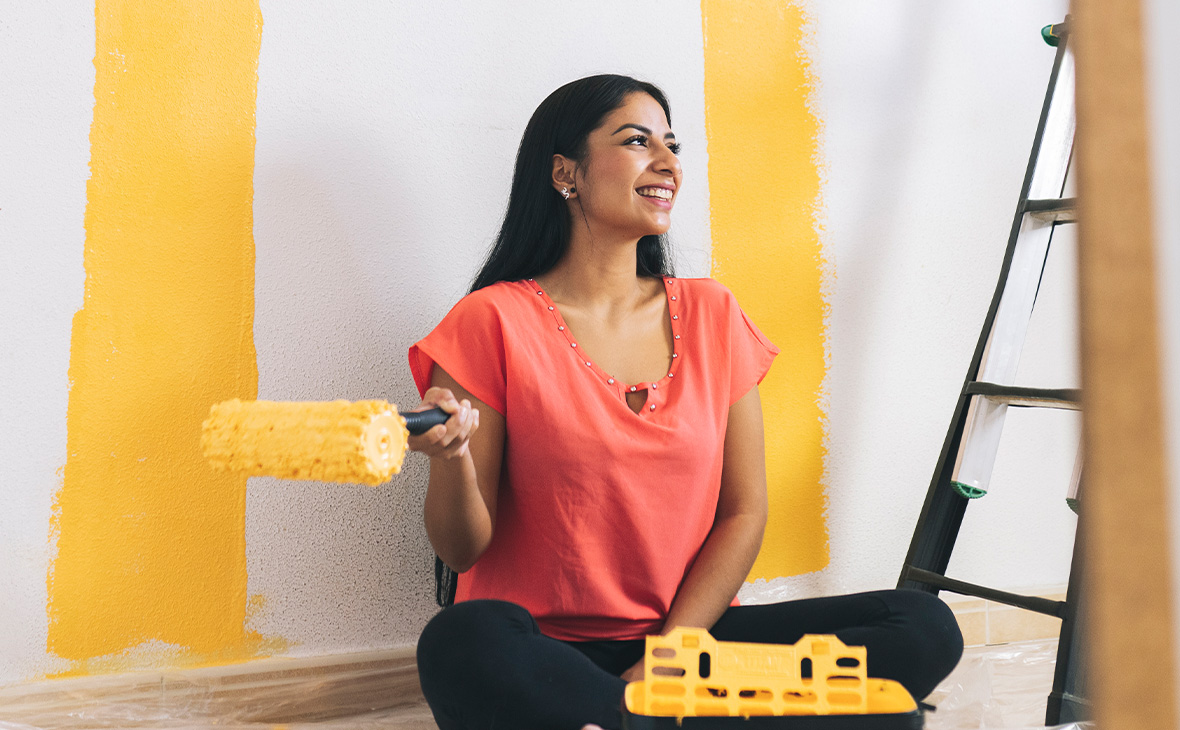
pixel 385 141
pixel 1161 24
pixel 47 87
pixel 929 112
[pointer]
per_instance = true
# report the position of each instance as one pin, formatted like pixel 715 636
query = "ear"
pixel 563 174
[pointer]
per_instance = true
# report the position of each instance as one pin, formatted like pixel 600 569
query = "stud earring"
pixel 565 193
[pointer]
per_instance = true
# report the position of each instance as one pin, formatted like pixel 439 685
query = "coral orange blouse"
pixel 601 511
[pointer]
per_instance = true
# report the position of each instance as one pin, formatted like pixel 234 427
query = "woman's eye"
pixel 641 140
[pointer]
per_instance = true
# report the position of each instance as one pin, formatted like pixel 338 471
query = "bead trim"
pixel 622 388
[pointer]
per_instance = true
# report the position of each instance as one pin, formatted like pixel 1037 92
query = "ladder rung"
pixel 1068 398
pixel 1057 210
pixel 1030 603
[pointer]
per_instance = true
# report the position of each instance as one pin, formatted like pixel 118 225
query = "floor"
pixel 995 688
pixel 1000 687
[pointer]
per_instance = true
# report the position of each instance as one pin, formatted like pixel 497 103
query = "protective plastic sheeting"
pixel 1001 687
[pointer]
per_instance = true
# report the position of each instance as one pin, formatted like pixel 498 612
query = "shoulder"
pixel 500 293
pixel 717 309
pixel 706 292
pixel 493 301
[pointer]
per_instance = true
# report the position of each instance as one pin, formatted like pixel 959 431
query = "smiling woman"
pixel 632 184
pixel 537 212
pixel 602 475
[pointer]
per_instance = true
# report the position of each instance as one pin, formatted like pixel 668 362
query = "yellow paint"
pixel 358 442
pixel 762 137
pixel 151 549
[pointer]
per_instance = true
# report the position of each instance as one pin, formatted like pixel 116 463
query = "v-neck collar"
pixel 655 389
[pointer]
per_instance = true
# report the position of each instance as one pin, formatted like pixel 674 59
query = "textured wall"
pixel 928 113
pixel 48 92
pixel 385 140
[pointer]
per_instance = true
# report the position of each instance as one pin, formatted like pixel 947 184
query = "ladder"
pixel 969 452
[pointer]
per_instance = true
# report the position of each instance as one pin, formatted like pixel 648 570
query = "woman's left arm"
pixel 729 550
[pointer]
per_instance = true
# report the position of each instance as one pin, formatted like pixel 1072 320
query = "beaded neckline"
pixel 673 299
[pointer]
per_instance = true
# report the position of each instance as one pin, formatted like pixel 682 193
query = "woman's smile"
pixel 658 195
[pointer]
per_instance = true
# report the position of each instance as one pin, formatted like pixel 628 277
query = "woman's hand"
pixel 634 674
pixel 448 440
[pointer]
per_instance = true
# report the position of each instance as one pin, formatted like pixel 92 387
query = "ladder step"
pixel 1068 398
pixel 1056 210
pixel 1030 603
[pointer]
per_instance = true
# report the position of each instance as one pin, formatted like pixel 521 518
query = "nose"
pixel 666 162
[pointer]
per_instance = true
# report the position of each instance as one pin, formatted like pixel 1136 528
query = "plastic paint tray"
pixel 693 681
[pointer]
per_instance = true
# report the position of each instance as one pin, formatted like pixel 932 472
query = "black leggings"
pixel 486 664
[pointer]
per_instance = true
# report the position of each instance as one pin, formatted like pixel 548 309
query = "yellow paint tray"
pixel 691 680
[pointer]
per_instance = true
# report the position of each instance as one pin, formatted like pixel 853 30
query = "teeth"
pixel 661 193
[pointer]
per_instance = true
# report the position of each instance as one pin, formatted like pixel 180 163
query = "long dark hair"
pixel 536 229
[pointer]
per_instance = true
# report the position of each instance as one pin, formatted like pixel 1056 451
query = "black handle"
pixel 419 422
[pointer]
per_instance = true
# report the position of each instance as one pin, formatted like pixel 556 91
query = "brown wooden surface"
pixel 1125 512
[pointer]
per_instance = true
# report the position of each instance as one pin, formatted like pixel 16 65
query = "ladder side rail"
pixel 1067 701
pixel 942 511
pixel 1001 358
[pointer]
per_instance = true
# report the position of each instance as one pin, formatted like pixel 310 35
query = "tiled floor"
pixel 994 687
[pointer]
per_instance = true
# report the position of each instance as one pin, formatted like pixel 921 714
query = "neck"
pixel 595 271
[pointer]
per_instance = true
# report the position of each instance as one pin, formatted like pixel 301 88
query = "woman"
pixel 602 474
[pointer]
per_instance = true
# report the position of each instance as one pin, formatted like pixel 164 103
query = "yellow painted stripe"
pixel 764 188
pixel 150 543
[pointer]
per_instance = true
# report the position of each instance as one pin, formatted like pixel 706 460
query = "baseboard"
pixel 273 690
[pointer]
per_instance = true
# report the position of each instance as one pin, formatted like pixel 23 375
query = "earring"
pixel 565 193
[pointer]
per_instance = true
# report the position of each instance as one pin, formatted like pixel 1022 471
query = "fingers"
pixel 441 397
pixel 457 428
pixel 451 439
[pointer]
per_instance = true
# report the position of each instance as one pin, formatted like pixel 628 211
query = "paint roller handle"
pixel 419 422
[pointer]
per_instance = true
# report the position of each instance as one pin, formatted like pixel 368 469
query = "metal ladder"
pixel 969 451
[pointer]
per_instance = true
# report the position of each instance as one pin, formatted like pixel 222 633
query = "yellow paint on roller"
pixel 362 442
pixel 151 548
pixel 764 187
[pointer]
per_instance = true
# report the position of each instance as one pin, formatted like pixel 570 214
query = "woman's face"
pixel 628 180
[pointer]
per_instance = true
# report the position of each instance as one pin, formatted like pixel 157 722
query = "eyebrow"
pixel 640 128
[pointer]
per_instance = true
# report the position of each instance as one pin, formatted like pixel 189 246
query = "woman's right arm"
pixel 465 455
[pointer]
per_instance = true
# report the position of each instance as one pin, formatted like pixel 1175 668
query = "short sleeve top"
pixel 601 511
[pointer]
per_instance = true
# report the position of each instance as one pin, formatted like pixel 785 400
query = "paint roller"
pixel 360 442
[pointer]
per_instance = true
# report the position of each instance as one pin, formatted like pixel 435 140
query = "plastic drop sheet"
pixel 994 688
pixel 1001 687
pixel 367 694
